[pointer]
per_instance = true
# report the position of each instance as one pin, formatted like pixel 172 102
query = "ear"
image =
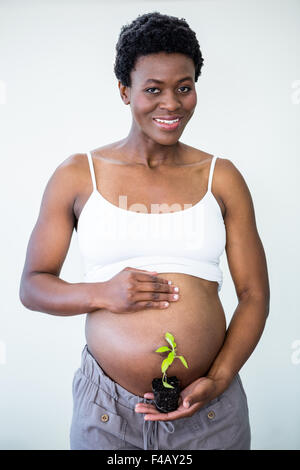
pixel 124 93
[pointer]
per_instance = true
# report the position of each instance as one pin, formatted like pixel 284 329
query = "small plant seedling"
pixel 171 356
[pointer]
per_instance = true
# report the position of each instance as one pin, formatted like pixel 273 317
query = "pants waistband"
pixel 93 371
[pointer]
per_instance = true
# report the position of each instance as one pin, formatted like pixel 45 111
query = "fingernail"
pixel 187 404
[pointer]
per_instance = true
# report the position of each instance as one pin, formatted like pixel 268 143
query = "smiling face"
pixel 162 86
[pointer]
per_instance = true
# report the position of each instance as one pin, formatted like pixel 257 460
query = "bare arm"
pixel 41 289
pixel 248 268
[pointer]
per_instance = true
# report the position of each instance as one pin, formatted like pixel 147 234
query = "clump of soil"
pixel 166 399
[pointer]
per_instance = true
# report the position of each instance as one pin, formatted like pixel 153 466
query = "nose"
pixel 170 102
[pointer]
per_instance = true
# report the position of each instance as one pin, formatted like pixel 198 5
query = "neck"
pixel 142 150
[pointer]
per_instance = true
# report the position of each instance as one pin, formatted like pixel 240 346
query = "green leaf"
pixel 164 365
pixel 163 349
pixel 170 339
pixel 170 336
pixel 167 385
pixel 183 361
pixel 167 362
pixel 170 357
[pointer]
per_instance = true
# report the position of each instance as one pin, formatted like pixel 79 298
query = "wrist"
pixel 96 296
pixel 222 377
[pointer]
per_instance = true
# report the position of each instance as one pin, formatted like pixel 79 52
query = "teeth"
pixel 167 122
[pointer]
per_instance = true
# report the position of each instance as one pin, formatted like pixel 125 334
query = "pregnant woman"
pixel 153 216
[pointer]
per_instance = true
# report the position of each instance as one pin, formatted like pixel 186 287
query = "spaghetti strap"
pixel 211 171
pixel 92 170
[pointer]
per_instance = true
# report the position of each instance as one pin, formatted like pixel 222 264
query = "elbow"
pixel 265 299
pixel 261 298
pixel 24 296
pixel 267 309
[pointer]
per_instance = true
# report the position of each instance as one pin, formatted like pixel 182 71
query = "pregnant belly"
pixel 124 344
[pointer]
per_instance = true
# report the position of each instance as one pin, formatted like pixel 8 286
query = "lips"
pixel 169 118
pixel 164 125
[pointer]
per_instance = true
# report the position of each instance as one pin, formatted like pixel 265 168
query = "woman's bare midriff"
pixel 124 344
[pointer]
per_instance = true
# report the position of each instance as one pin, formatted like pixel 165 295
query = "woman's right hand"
pixel 135 289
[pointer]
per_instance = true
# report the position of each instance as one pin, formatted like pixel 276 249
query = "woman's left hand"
pixel 193 397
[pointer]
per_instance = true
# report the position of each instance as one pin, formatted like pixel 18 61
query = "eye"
pixel 154 88
pixel 187 88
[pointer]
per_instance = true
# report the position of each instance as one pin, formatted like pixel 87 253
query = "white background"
pixel 59 96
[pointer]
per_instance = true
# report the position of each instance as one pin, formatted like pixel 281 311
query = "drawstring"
pixel 150 432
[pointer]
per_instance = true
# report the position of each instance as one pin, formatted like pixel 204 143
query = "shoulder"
pixel 73 169
pixel 73 163
pixel 228 177
pixel 230 184
pixel 227 167
pixel 68 178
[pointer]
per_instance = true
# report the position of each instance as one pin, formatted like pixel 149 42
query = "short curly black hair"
pixel 151 33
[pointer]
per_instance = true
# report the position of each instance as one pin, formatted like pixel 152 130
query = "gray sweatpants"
pixel 104 418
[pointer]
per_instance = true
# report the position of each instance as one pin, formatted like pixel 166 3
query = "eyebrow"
pixel 160 81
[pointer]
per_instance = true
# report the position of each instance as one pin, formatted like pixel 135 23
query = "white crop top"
pixel 188 241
